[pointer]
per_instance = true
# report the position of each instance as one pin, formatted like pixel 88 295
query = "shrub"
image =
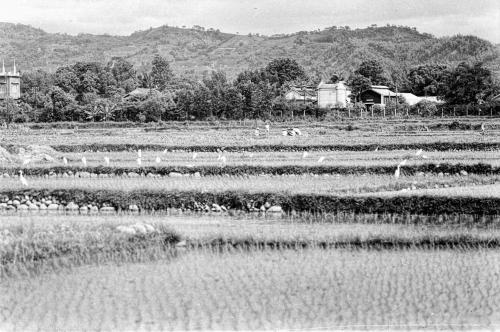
pixel 424 108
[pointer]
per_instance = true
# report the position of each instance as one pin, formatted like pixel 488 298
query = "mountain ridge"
pixel 196 51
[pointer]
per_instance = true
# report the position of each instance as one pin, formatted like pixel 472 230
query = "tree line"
pixel 91 91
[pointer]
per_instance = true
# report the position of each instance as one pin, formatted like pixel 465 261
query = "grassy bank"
pixel 153 200
pixel 245 170
pixel 45 243
pixel 434 146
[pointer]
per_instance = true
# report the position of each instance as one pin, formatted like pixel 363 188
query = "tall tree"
pixel 123 73
pixel 428 80
pixel 358 83
pixel 285 70
pixel 161 74
pixel 373 70
pixel 469 84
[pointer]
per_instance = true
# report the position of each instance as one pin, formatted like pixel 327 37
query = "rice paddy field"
pixel 361 226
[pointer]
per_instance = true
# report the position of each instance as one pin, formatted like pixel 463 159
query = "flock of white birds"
pixel 222 158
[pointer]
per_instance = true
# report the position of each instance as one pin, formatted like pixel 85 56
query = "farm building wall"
pixel 10 86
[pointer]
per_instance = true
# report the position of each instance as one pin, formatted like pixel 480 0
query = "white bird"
pixel 106 160
pixel 425 157
pixel 139 153
pixel 284 133
pixel 26 161
pixel 267 128
pixel 84 161
pixel 165 151
pixel 22 179
pixel 139 161
pixel 223 160
pixel 419 152
pixel 195 155
pixel 305 154
pixel 65 161
pixel 257 132
pixel 376 149
pixel 397 173
pixel 158 159
pixel 321 159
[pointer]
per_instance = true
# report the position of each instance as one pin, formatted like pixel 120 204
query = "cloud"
pixel 439 17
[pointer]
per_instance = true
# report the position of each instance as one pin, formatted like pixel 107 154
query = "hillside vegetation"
pixel 197 51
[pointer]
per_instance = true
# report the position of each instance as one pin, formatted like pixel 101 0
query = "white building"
pixel 411 99
pixel 333 95
pixel 301 95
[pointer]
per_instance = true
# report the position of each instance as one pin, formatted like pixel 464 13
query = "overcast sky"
pixel 122 17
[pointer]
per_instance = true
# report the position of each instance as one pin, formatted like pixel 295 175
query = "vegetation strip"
pixel 427 242
pixel 239 170
pixel 437 146
pixel 150 200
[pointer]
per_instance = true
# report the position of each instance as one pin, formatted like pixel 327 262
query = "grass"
pixel 332 158
pixel 30 244
pixel 290 184
pixel 381 133
pixel 266 290
pixel 74 272
pixel 31 247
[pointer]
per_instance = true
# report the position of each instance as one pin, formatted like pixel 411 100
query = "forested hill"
pixel 196 51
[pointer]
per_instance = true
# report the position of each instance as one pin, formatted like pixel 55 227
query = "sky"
pixel 122 17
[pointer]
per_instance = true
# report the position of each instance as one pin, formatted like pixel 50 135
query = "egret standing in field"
pixel 84 161
pixel 305 154
pixel 158 159
pixel 268 129
pixel 22 179
pixel 26 161
pixel 139 153
pixel 139 161
pixel 397 173
pixel 321 159
pixel 223 160
pixel 65 161
pixel 195 155
pixel 106 161
pixel 483 128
